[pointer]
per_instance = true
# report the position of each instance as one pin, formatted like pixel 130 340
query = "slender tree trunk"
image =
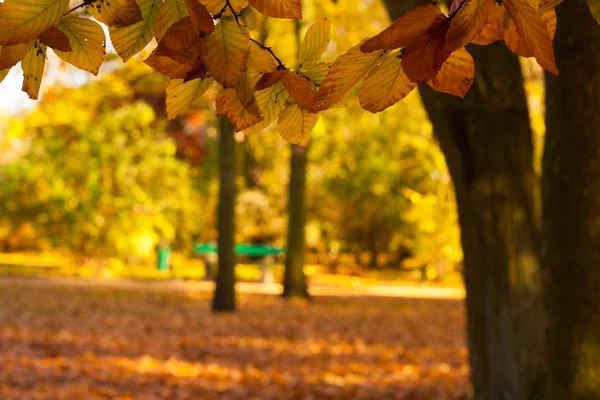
pixel 224 298
pixel 487 142
pixel 571 212
pixel 294 282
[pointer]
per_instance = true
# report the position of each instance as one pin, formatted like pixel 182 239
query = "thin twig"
pixel 85 3
pixel 228 4
pixel 262 46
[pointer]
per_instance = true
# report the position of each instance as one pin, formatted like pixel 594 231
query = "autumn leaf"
pixel 245 93
pixel 115 13
pixel 317 73
pixel 424 57
pixel 405 30
pixel 87 41
pixel 467 23
pixel 169 12
pixel 33 69
pixel 385 85
pixel 226 51
pixel 343 75
pixel 22 21
pixel 299 88
pixel 493 29
pixel 167 66
pixel 56 39
pixel 130 40
pixel 3 74
pixel 11 55
pixel 183 95
pixel 179 38
pixel 295 124
pixel 260 60
pixel 279 8
pixel 456 75
pixel 533 31
pixel 271 102
pixel 216 6
pixel 227 103
pixel 268 79
pixel 200 17
pixel 314 44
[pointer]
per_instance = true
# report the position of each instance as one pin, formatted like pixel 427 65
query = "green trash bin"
pixel 163 258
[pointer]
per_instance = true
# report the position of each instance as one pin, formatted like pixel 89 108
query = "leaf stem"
pixel 228 5
pixel 262 46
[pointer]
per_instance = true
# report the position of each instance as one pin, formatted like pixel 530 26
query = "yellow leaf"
pixel 271 101
pixel 87 41
pixel 130 40
pixel 169 12
pixel 295 124
pixel 33 69
pixel 182 95
pixel 344 74
pixel 317 73
pixel 226 51
pixel 22 21
pixel 245 93
pixel 385 85
pixel 534 32
pixel 228 103
pixel 216 6
pixel 456 75
pixel 3 74
pixel 314 44
pixel 260 60
pixel 279 8
pixel 11 55
pixel 115 13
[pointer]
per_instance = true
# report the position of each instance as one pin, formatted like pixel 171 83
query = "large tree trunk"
pixel 571 213
pixel 294 282
pixel 224 298
pixel 487 142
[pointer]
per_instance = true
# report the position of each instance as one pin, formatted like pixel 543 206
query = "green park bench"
pixel 266 253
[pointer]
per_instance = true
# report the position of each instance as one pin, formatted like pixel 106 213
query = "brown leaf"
pixel 167 66
pixel 179 38
pixel 267 80
pixel 456 75
pixel 56 39
pixel 299 88
pixel 424 57
pixel 406 29
pixel 467 23
pixel 279 8
pixel 200 17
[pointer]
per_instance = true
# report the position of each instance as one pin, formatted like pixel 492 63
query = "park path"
pixel 417 292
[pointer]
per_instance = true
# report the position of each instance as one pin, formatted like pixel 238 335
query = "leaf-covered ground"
pixel 61 342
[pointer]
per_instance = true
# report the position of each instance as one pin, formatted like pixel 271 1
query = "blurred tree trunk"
pixel 294 282
pixel 487 142
pixel 224 298
pixel 571 212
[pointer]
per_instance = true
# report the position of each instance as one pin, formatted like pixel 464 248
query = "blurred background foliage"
pixel 99 172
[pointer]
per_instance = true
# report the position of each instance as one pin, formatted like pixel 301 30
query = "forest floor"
pixel 116 339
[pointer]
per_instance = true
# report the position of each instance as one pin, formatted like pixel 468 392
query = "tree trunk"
pixel 487 142
pixel 571 213
pixel 224 298
pixel 294 282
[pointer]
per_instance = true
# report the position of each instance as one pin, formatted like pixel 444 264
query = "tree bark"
pixel 487 142
pixel 294 282
pixel 224 298
pixel 571 212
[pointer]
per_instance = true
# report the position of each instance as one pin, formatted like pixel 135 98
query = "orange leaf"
pixel 167 66
pixel 267 80
pixel 299 88
pixel 200 17
pixel 245 94
pixel 279 8
pixel 406 29
pixel 468 21
pixel 228 103
pixel 492 31
pixel 179 38
pixel 533 31
pixel 456 75
pixel 343 75
pixel 10 55
pixel 385 85
pixel 424 57
pixel 56 39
